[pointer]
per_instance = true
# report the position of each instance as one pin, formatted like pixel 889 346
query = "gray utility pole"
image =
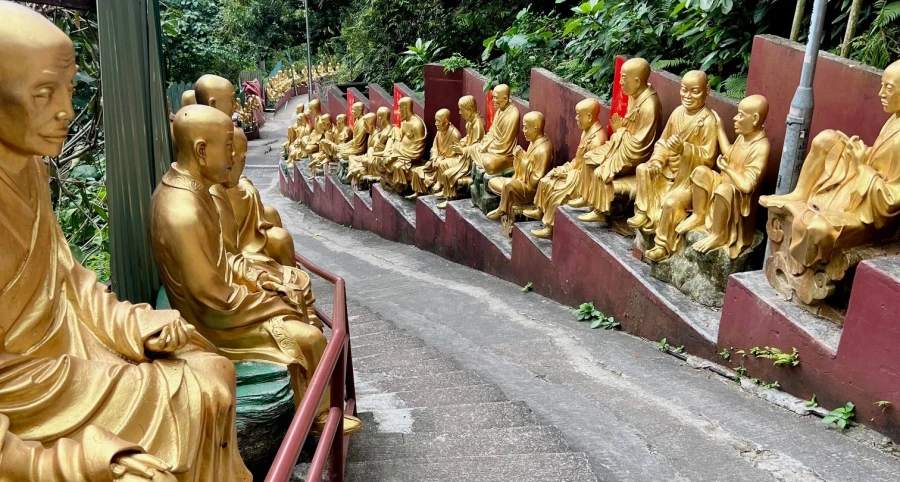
pixel 796 137
pixel 309 76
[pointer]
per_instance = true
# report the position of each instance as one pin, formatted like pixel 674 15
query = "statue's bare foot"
pixel 533 213
pixel 657 254
pixel 413 196
pixel 691 223
pixel 709 243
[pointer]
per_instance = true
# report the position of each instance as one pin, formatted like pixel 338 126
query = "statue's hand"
pixel 144 466
pixel 857 149
pixel 616 122
pixel 722 162
pixel 676 144
pixel 456 148
pixel 172 337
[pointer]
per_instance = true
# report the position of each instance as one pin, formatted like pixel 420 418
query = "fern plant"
pixel 881 43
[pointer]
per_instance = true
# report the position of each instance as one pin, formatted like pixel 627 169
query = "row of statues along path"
pixel 686 192
pixel 94 389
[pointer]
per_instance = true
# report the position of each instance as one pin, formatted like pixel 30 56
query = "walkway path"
pixel 637 414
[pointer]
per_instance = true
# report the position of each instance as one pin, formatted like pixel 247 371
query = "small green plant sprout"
pixel 663 344
pixel 680 349
pixel 586 312
pixel 774 385
pixel 812 403
pixel 455 62
pixel 781 358
pixel 527 288
pixel 841 416
pixel 741 372
pixel 725 353
pixel 605 322
pixel 742 353
pixel 883 405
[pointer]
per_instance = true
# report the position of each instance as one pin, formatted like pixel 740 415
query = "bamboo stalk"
pixel 850 34
pixel 798 20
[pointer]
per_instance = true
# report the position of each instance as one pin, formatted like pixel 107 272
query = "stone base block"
pixel 343 169
pixel 482 197
pixel 265 407
pixel 704 276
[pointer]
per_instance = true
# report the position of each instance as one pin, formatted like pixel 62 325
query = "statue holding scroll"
pixel 847 197
pixel 453 170
pixel 424 178
pixel 561 182
pixel 91 389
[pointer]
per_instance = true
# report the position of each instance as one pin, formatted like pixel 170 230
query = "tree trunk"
pixel 851 27
pixel 798 19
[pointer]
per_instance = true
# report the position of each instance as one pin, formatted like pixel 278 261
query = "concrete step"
pixel 412 366
pixel 425 352
pixel 378 338
pixel 478 416
pixel 567 467
pixel 394 345
pixel 438 445
pixel 441 397
pixel 425 382
pixel 369 328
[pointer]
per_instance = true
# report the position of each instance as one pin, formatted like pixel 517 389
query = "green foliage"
pixel 413 61
pixel 883 405
pixel 880 45
pixel 528 287
pixel 530 42
pixel 725 353
pixel 663 346
pixel 812 403
pixel 587 312
pixel 841 416
pixel 455 62
pixel 780 358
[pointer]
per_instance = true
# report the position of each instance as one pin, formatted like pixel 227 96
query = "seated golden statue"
pixel 424 178
pixel 315 112
pixel 327 147
pixel 663 184
pixel 557 187
pixel 407 149
pixel 452 170
pixel 723 202
pixel 610 170
pixel 530 166
pixel 494 153
pixel 124 392
pixel 847 197
pixel 343 132
pixel 293 132
pixel 370 164
pixel 297 148
pixel 356 142
pixel 229 298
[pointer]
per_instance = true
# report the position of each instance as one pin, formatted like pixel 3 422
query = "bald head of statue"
pixel 751 115
pixel 205 140
pixel 694 90
pixel 890 89
pixel 216 92
pixel 406 108
pixel 587 112
pixel 358 108
pixel 500 96
pixel 37 77
pixel 633 78
pixel 189 97
pixel 442 120
pixel 384 116
pixel 533 125
pixel 369 122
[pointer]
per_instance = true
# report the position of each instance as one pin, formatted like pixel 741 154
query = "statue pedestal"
pixel 265 407
pixel 482 197
pixel 343 168
pixel 704 276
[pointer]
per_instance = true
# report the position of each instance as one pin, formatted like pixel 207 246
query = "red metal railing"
pixel 336 370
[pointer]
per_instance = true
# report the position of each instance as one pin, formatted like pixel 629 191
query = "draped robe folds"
pixel 408 149
pixel 72 361
pixel 452 169
pixel 296 148
pixel 344 134
pixel 667 195
pixel 357 166
pixel 630 146
pixel 424 178
pixel 558 186
pixel 227 218
pixel 495 152
pixel 327 150
pixel 748 159
pixel 249 216
pixel 520 189
pixel 841 202
pixel 225 296
pixel 357 144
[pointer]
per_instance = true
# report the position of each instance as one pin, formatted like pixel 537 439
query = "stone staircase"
pixel 427 419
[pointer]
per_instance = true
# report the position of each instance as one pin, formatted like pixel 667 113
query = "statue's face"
pixel 745 121
pixel 370 125
pixel 218 160
pixel 405 111
pixel 694 91
pixel 500 99
pixel 442 123
pixel 890 91
pixel 630 83
pixel 585 119
pixel 465 112
pixel 531 131
pixel 239 159
pixel 384 120
pixel 357 111
pixel 36 101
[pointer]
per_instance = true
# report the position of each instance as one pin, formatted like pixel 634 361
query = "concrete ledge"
pixel 395 217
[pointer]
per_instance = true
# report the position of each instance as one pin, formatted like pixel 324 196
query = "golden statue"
pixel 663 193
pixel 494 153
pixel 327 148
pixel 610 170
pixel 315 111
pixel 723 202
pixel 424 178
pixel 343 132
pixel 188 97
pixel 297 148
pixel 452 170
pixel 557 187
pixel 407 149
pixel 847 197
pixel 91 389
pixel 231 299
pixel 530 166
pixel 358 138
pixel 370 164
pixel 293 132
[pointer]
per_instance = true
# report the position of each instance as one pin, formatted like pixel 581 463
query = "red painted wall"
pixel 442 91
pixel 378 98
pixel 846 94
pixel 337 104
pixel 360 98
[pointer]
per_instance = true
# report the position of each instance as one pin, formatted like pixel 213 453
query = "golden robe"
pixel 841 202
pixel 665 197
pixel 452 169
pixel 747 160
pixel 297 147
pixel 227 297
pixel 343 134
pixel 424 178
pixel 495 152
pixel 407 150
pixel 558 186
pixel 629 146
pixel 370 164
pixel 73 357
pixel 226 218
pixel 327 150
pixel 357 144
pixel 520 189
